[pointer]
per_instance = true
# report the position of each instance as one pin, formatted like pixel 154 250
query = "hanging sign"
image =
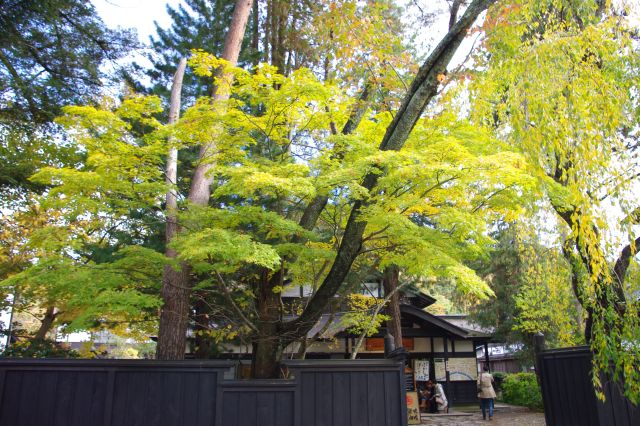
pixel 441 369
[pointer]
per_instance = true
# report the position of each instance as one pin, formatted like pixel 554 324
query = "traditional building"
pixel 440 347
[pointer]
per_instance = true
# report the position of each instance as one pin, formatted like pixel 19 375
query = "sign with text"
pixel 413 408
pixel 441 369
pixel 461 369
pixel 421 369
pixel 376 344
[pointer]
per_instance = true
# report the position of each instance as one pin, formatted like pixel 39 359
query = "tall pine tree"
pixel 198 24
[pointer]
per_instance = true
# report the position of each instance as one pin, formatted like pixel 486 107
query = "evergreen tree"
pixel 51 52
pixel 201 24
pixel 532 286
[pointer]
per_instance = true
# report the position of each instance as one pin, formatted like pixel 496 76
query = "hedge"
pixel 522 389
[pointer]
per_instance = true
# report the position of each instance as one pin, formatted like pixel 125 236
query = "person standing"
pixel 486 393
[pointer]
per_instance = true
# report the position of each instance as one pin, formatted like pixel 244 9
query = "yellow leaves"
pixel 267 179
pixel 361 316
pixel 205 64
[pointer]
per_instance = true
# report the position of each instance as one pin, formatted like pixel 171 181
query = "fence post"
pixel 538 347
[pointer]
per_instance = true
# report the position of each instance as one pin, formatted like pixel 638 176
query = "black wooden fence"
pixel 568 395
pixel 193 393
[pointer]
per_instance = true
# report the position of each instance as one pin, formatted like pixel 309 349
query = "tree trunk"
pixel 176 288
pixel 175 297
pixel 390 282
pixel 266 345
pixel 607 293
pixel 171 177
pixel 255 36
pixel 200 190
pixel 46 324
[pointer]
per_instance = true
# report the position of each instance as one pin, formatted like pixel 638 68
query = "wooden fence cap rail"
pixel 125 363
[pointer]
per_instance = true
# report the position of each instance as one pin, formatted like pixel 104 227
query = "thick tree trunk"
pixel 422 91
pixel 174 316
pixel 46 324
pixel 175 296
pixel 266 344
pixel 390 278
pixel 263 348
pixel 176 288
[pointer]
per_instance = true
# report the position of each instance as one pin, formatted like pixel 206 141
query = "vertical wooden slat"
pixel 120 397
pixel 230 410
pixel 86 390
pixel 28 393
pixel 108 397
pixel 188 408
pixel 9 413
pixel 375 403
pixel 46 406
pixel 65 396
pixel 324 400
pixel 285 412
pixel 308 396
pixel 359 389
pixel 207 397
pixel 247 412
pixel 2 385
pixel 266 408
pixel 341 391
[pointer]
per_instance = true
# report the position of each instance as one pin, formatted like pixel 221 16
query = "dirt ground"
pixel 520 418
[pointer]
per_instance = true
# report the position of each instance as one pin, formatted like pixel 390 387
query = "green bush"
pixel 498 378
pixel 522 389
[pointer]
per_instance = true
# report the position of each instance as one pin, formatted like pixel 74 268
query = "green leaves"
pixel 87 294
pixel 561 85
pixel 220 250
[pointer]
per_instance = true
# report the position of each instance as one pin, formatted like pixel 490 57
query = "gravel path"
pixel 525 418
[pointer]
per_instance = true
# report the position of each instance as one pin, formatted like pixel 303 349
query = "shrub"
pixel 498 378
pixel 38 349
pixel 522 389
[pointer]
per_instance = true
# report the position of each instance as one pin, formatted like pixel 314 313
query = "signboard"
pixel 376 344
pixel 413 408
pixel 421 369
pixel 461 369
pixel 441 369
pixel 409 384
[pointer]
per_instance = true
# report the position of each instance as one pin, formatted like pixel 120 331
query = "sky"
pixel 139 14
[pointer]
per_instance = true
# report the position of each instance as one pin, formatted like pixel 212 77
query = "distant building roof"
pixel 462 321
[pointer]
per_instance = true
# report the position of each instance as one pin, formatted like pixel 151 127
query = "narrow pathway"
pixel 520 418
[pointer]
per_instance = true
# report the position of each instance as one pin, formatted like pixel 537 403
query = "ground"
pixel 471 416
